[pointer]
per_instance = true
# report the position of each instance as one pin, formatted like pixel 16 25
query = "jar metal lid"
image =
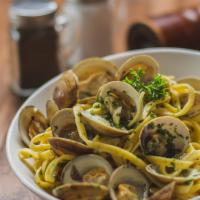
pixel 32 13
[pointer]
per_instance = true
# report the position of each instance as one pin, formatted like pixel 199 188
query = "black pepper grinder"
pixel 34 44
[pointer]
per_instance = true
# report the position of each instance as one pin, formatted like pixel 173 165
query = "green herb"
pixel 188 182
pixel 135 80
pixel 154 90
pixel 151 125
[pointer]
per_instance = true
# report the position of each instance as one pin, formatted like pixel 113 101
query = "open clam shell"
pixel 89 66
pixel 77 170
pixel 130 176
pixel 164 193
pixel 122 104
pixel 187 175
pixel 67 139
pixel 92 73
pixel 81 191
pixel 63 123
pixel 164 136
pixel 144 62
pixel 66 91
pixel 31 123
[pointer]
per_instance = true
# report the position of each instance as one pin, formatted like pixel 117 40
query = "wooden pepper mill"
pixel 180 29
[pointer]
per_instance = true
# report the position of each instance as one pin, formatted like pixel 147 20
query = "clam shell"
pixel 31 115
pixel 65 146
pixel 127 174
pixel 66 91
pixel 67 139
pixel 147 63
pixel 89 66
pixel 51 109
pixel 81 191
pixel 164 193
pixel 103 126
pixel 171 134
pixel 92 73
pixel 63 123
pixel 83 164
pixel 192 174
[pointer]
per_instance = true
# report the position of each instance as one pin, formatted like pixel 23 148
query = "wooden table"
pixel 10 187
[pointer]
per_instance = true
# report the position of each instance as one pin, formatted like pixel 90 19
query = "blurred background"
pixel 41 38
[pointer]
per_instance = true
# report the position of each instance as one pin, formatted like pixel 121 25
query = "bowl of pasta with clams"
pixel 123 127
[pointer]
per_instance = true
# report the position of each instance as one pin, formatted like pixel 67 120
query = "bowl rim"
pixel 42 193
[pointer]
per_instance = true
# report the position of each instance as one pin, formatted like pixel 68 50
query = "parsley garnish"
pixel 154 90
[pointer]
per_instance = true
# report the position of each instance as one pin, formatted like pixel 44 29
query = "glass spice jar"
pixel 38 47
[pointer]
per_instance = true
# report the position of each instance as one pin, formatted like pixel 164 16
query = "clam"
pixel 66 138
pixel 86 177
pixel 147 63
pixel 164 136
pixel 127 183
pixel 63 124
pixel 185 176
pixel 51 109
pixel 118 106
pixel 81 191
pixel 66 91
pixel 164 193
pixel 89 168
pixel 92 73
pixel 31 123
pixel 66 146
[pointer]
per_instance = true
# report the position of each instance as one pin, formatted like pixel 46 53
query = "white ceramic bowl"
pixel 178 62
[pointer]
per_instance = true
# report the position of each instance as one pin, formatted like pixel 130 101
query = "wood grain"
pixel 10 187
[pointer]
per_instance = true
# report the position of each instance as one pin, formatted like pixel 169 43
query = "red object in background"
pixel 180 29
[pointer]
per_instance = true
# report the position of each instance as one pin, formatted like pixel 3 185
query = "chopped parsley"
pixel 161 143
pixel 151 125
pixel 154 90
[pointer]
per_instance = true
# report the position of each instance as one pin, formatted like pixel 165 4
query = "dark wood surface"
pixel 10 187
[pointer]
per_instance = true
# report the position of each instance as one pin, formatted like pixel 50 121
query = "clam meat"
pixel 86 177
pixel 66 138
pixel 127 183
pixel 89 168
pixel 31 123
pixel 165 136
pixel 117 108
